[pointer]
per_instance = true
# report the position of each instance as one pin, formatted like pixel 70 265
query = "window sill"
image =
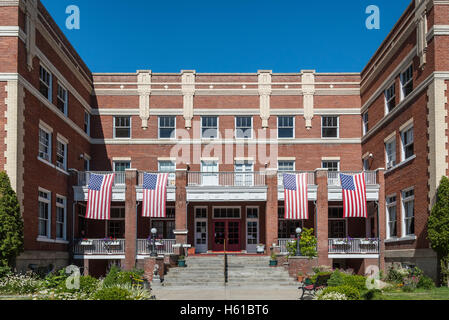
pixel 48 240
pixel 401 164
pixel 62 170
pixel 46 162
pixel 406 238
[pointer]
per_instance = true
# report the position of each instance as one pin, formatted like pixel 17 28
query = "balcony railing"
pixel 164 246
pixel 99 247
pixel 283 245
pixel 310 176
pixel 354 246
pixel 227 179
pixel 333 177
pixel 84 177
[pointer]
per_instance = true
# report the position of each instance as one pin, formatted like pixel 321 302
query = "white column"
pixel 144 89
pixel 264 78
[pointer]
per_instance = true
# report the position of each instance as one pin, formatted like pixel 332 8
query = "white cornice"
pixel 9 3
pixel 438 30
pixel 12 31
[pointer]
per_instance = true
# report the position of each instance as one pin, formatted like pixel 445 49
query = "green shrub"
pixel 350 292
pixel 321 273
pixel 336 279
pixel 88 285
pixel 112 293
pixel 373 294
pixel 356 281
pixel 117 276
pixel 397 275
pixel 55 279
pixel 425 283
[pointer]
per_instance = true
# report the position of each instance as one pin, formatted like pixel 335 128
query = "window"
pixel 62 100
pixel 209 127
pixel 44 214
pixel 44 144
pixel 333 166
pixel 226 213
pixel 117 212
pixel 45 83
pixel 329 127
pixel 168 166
pixel 408 203
pixel 166 127
pixel 391 217
pixel 407 81
pixel 87 122
pixel 365 123
pixel 122 127
pixel 120 166
pixel 286 228
pixel 165 226
pixel 61 155
pixel 61 218
pixel 390 153
pixel 390 99
pixel 252 213
pixel 366 164
pixel 407 144
pixel 243 127
pixel 284 166
pixel 115 229
pixel 286 126
pixel 337 224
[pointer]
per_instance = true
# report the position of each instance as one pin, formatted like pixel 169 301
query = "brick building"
pixel 226 139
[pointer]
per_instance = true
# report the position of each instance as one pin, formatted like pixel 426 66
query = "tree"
pixel 11 225
pixel 307 244
pixel 438 229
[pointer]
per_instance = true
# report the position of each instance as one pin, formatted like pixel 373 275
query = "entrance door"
pixel 200 230
pixel 252 229
pixel 229 231
pixel 209 173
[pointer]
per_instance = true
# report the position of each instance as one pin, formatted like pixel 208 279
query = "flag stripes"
pixel 99 196
pixel 354 195
pixel 296 196
pixel 154 195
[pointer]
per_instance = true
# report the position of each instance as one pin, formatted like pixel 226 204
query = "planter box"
pixel 86 243
pixel 181 263
pixel 367 242
pixel 112 243
pixel 340 242
pixel 273 263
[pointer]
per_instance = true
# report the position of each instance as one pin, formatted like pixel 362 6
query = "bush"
pixel 350 292
pixel 117 276
pixel 88 285
pixel 330 296
pixel 336 279
pixel 55 280
pixel 373 294
pixel 425 283
pixel 356 281
pixel 20 284
pixel 321 273
pixel 113 293
pixel 397 275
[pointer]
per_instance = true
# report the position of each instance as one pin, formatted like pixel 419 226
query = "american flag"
pixel 154 195
pixel 99 196
pixel 295 196
pixel 354 195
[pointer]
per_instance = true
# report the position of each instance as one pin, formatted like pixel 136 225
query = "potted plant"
pixel 260 248
pixel 181 261
pixel 300 276
pixel 273 260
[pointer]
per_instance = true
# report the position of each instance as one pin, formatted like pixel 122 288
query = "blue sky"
pixel 226 36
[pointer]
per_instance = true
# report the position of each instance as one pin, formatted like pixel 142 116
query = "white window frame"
pixel 404 84
pixel 159 128
pixel 404 200
pixel 387 217
pixel 48 85
pixel 115 162
pixel 293 127
pixel 86 113
pixel 130 127
pixel 337 161
pixel 365 122
pixel 388 98
pixel 172 174
pixel 62 205
pixel 281 172
pixel 388 157
pixel 339 219
pixel 253 247
pixel 65 144
pixel 338 126
pixel 65 100
pixel 49 147
pixel 218 127
pixel 202 219
pixel 251 128
pixel 403 146
pixel 48 202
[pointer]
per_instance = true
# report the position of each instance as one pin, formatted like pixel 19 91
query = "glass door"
pixel 209 173
pixel 200 230
pixel 252 229
pixel 219 235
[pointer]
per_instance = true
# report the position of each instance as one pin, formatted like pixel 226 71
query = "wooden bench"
pixel 320 282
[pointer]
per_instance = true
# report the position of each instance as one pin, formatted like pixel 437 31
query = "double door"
pixel 226 231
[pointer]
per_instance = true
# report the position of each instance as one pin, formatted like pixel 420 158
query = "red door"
pixel 229 231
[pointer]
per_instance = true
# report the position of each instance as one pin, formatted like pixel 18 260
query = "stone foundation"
pixel 58 259
pixel 425 259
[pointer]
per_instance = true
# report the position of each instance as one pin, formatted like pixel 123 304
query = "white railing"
pixel 164 246
pixel 310 177
pixel 283 244
pixel 84 177
pixel 226 179
pixel 171 178
pixel 354 246
pixel 333 177
pixel 99 246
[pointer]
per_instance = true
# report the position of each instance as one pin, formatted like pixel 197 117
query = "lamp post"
pixel 298 232
pixel 153 247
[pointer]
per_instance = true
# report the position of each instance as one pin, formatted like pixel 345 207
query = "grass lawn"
pixel 419 294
